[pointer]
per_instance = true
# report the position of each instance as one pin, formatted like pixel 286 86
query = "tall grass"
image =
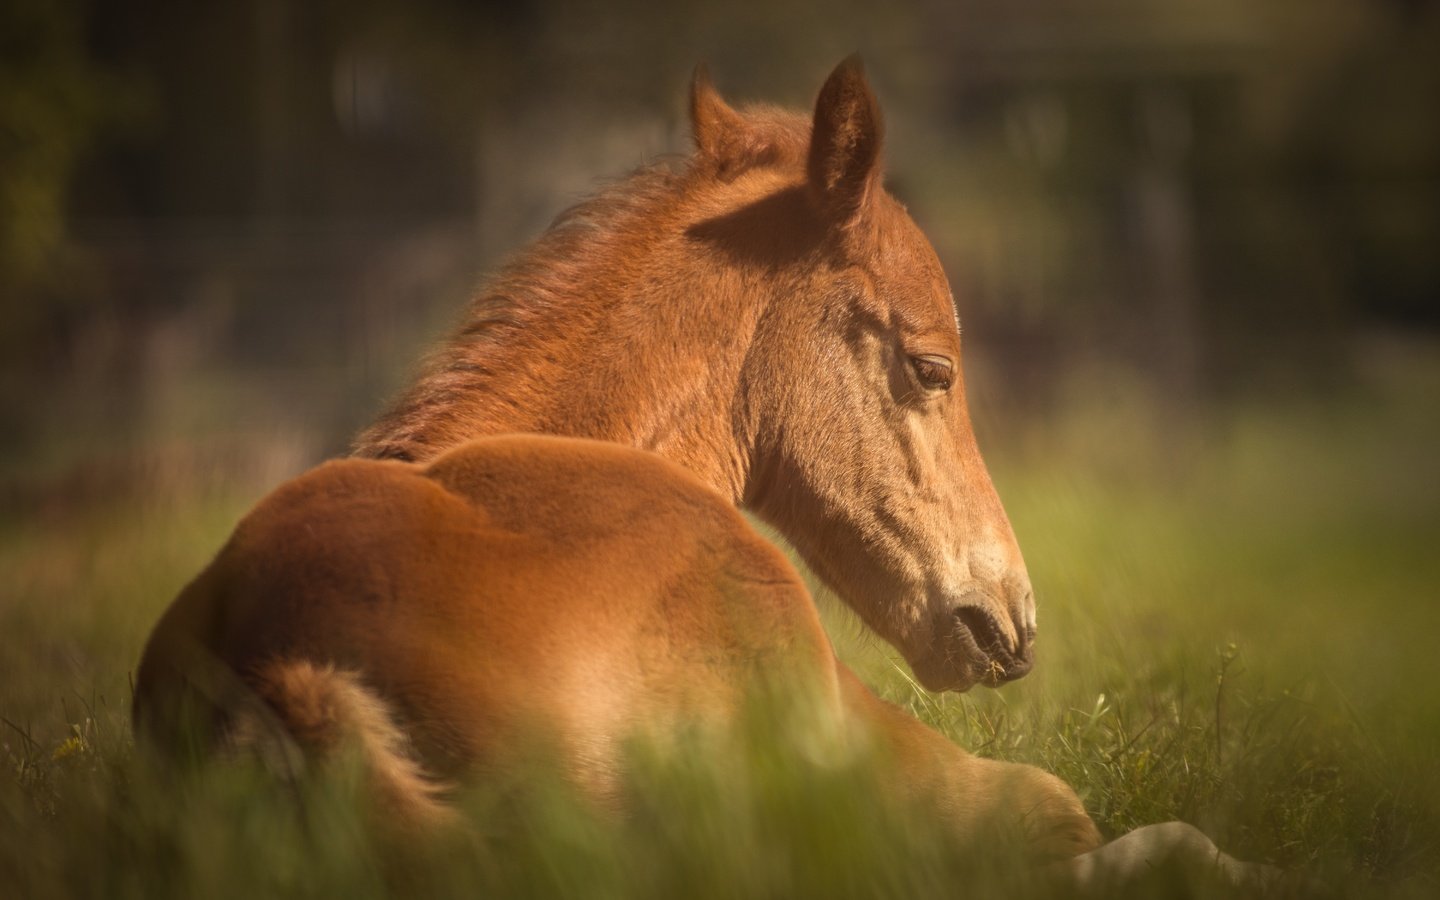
pixel 1237 619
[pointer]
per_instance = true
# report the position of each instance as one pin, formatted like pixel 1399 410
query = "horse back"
pixel 515 586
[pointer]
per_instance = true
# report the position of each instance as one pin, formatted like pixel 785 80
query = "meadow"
pixel 1237 611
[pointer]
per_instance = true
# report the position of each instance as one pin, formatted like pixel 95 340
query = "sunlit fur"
pixel 750 317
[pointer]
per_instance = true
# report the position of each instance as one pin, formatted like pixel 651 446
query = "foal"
pixel 505 559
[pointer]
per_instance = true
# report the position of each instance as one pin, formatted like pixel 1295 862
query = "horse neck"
pixel 647 352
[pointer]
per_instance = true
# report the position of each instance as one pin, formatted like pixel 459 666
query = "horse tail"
pixel 328 712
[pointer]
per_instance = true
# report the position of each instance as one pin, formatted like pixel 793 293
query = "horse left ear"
pixel 713 124
pixel 844 165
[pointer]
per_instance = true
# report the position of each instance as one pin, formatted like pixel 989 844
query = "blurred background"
pixel 1195 245
pixel 227 230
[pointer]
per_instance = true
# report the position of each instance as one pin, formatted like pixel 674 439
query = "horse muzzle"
pixel 976 638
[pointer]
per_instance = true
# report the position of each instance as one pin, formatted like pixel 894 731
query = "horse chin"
pixel 941 671
pixel 960 677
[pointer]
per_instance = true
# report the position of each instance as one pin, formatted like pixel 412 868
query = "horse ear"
pixel 844 165
pixel 713 124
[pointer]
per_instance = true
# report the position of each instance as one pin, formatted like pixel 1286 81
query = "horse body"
pixel 519 583
pixel 770 325
pixel 523 594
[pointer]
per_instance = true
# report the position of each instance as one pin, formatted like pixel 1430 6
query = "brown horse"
pixel 770 324
pixel 772 320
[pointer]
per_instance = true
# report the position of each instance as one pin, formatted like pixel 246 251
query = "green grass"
pixel 1237 620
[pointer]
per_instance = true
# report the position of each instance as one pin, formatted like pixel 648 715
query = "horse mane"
pixel 559 271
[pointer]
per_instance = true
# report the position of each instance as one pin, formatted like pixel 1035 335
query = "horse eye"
pixel 934 372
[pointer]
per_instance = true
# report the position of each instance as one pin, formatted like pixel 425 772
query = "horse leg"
pixel 974 795
pixel 1172 849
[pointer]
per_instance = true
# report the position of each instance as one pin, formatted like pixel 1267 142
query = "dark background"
pixel 228 229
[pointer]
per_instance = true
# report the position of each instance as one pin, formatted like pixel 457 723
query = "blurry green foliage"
pixel 1210 191
pixel 1240 638
pixel 55 104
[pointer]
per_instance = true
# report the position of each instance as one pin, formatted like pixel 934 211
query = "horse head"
pixel 772 319
pixel 852 400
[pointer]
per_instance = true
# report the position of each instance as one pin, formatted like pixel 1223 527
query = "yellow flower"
pixel 70 747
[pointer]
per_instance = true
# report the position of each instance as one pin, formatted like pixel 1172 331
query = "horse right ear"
pixel 844 165
pixel 715 127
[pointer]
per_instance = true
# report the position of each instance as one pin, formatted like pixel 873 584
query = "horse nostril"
pixel 987 633
pixel 1008 657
